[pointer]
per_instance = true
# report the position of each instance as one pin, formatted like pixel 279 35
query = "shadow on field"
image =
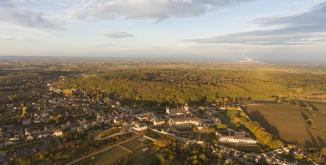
pixel 305 117
pixel 313 141
pixel 257 116
pixel 321 141
pixel 313 107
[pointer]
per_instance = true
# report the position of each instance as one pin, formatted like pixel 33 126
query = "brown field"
pixel 320 106
pixel 289 123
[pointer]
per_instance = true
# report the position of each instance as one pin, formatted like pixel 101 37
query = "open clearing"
pixel 111 156
pixel 140 156
pixel 133 145
pixel 289 123
pixel 131 152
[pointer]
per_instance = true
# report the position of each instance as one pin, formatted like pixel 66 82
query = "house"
pixel 117 120
pixel 177 111
pixel 184 120
pixel 236 139
pixel 208 122
pixel 29 137
pixel 139 127
pixel 26 122
pixel 222 108
pixel 145 116
pixel 157 122
pixel 57 133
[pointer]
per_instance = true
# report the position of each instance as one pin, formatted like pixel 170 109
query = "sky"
pixel 261 29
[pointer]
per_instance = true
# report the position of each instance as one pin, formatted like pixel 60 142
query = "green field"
pixel 139 156
pixel 249 149
pixel 111 156
pixel 134 145
pixel 289 122
pixel 129 153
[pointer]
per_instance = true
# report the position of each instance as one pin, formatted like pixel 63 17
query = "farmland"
pixel 289 122
pixel 131 152
pixel 320 107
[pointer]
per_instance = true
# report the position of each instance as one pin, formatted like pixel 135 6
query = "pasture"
pixel 133 145
pixel 289 123
pixel 128 153
pixel 140 156
pixel 111 157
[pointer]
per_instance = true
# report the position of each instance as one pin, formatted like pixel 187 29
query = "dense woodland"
pixel 178 86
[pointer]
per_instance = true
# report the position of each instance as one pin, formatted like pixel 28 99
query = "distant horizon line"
pixel 204 58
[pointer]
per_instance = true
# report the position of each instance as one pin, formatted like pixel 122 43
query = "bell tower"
pixel 186 107
pixel 167 110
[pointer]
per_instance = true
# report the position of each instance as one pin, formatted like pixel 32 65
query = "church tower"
pixel 186 107
pixel 167 110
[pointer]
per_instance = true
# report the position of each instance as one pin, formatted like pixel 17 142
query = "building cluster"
pixel 236 138
pixel 182 116
pixel 54 114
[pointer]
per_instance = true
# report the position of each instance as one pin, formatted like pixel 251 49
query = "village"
pixel 59 115
pixel 162 82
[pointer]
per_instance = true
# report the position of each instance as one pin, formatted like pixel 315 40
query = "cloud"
pixel 6 3
pixel 118 35
pixel 28 19
pixel 311 21
pixel 16 12
pixel 147 9
pixel 264 38
pixel 305 28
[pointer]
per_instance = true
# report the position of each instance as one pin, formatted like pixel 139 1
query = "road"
pixel 113 135
pixel 149 138
pixel 103 150
pixel 178 137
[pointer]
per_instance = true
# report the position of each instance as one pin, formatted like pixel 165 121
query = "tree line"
pixel 176 86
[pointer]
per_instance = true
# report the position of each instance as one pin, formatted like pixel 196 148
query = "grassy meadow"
pixel 289 122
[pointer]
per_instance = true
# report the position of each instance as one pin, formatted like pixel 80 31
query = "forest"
pixel 207 85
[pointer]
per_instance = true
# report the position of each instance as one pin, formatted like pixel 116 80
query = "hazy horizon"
pixel 160 59
pixel 285 31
